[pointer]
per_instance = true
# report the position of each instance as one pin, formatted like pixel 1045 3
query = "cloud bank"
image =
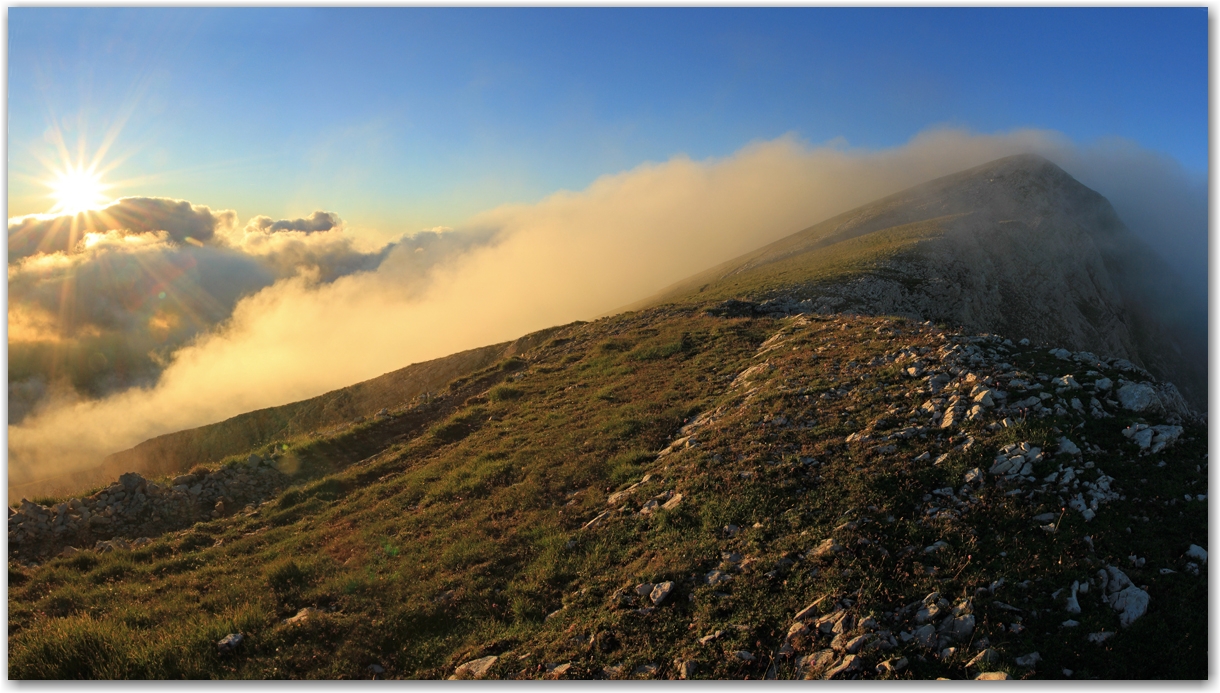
pixel 333 314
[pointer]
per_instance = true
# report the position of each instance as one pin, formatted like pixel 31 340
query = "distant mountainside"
pixel 1016 247
pixel 177 452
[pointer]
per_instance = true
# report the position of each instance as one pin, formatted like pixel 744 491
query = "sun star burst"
pixel 77 189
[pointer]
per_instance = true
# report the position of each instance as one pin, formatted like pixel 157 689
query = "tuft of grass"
pixel 505 393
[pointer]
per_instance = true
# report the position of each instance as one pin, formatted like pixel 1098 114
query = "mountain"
pixel 1015 247
pixel 740 482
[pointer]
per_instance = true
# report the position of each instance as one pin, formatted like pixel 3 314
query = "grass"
pixel 452 532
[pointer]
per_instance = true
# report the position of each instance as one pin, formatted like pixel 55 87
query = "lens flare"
pixel 77 189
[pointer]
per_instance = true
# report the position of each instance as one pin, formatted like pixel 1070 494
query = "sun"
pixel 77 189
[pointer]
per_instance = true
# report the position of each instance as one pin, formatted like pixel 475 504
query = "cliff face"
pixel 1016 247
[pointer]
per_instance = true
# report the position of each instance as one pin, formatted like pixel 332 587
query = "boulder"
pixel 1067 447
pixel 1129 601
pixel 131 481
pixel 1137 396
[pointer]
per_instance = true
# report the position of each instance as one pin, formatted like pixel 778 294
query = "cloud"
pixel 106 313
pixel 178 219
pixel 318 221
pixel 571 256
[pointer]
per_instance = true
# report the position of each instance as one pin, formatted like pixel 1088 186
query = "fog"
pixel 311 309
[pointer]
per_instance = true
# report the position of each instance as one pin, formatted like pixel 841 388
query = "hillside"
pixel 735 470
pixel 261 430
pixel 750 477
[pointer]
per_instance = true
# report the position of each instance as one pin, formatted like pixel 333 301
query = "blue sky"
pixel 402 119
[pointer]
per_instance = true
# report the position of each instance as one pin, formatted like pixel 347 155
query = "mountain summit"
pixel 1015 247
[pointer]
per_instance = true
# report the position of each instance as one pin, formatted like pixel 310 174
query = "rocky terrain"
pixel 852 497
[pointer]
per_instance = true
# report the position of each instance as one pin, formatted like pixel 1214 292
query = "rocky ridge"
pixel 962 393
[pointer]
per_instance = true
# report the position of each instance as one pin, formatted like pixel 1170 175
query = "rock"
pixel 229 643
pixel 1066 381
pixel 660 592
pixel 302 616
pixel 1197 552
pixel 744 655
pixel 1137 396
pixel 475 668
pixel 560 670
pixel 927 613
pixel 597 521
pixel 925 635
pixel 1100 637
pixel 375 669
pixel 1140 434
pixel 1129 601
pixel 1072 604
pixel 959 628
pixel 131 481
pixel 827 547
pixel 808 611
pixel 643 589
pixel 1164 436
pixel 973 475
pixel 853 645
pixel 988 656
pixel 716 577
pixel 892 666
pixel 672 502
pixel 950 419
pixel 686 669
pixel 991 676
pixel 1067 447
pixel 811 665
pixel 1028 661
pixel 850 663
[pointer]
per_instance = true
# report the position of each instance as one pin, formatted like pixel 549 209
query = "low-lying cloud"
pixel 360 312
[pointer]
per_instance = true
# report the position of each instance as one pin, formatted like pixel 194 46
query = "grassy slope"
pixel 174 453
pixel 428 550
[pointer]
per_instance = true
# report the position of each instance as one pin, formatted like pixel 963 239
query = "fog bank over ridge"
pixel 317 311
